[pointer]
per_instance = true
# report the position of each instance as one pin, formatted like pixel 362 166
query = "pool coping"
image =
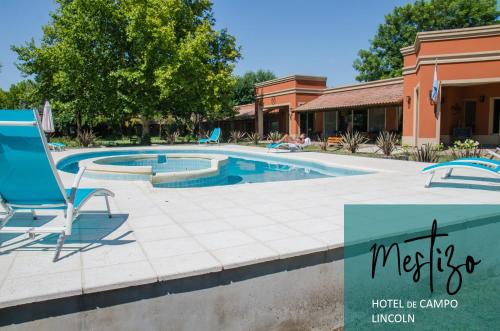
pixel 211 260
pixel 216 162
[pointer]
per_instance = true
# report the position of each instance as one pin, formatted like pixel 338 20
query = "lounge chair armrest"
pixel 494 154
pixel 76 183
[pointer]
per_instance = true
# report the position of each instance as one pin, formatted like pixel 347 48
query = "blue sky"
pixel 315 37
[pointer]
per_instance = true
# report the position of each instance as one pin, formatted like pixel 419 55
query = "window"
pixel 307 123
pixel 376 120
pixel 399 124
pixel 274 125
pixel 330 123
pixel 345 120
pixel 360 120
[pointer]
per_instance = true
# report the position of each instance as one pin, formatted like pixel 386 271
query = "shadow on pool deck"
pixel 90 231
pixel 465 185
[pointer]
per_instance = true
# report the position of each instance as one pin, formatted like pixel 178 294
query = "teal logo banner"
pixel 421 267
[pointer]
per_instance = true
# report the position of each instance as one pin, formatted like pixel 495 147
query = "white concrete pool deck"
pixel 161 234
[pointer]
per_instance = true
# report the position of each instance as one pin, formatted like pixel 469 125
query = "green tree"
pixel 21 95
pixel 73 66
pixel 384 60
pixel 3 99
pixel 244 90
pixel 177 64
pixel 109 61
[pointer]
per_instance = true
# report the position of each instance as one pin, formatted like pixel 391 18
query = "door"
pixel 470 115
pixel 496 116
pixel 307 123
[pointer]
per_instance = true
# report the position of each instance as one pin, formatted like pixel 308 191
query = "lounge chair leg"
pixel 447 173
pixel 429 180
pixel 33 214
pixel 107 206
pixel 60 243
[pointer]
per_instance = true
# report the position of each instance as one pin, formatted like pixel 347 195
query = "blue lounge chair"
pixel 57 146
pixel 289 146
pixel 476 163
pixel 29 180
pixel 214 137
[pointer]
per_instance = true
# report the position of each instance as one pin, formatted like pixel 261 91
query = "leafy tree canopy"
pixel 107 60
pixel 22 95
pixel 384 60
pixel 244 90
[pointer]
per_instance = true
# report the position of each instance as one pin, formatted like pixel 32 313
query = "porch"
pixel 367 108
pixel 276 119
pixel 369 121
pixel 470 110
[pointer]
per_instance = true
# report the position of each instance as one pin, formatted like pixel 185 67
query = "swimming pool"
pixel 240 168
pixel 158 164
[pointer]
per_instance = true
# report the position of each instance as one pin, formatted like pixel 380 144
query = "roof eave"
pixel 290 78
pixel 383 104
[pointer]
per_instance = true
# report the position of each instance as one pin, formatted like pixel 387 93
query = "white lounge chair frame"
pixel 70 212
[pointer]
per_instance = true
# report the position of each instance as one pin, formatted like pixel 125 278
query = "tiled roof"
pixel 356 96
pixel 245 111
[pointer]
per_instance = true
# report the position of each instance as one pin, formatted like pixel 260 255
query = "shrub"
pixel 254 137
pixel 426 153
pixel 274 136
pixel 406 151
pixel 323 143
pixel 86 138
pixel 351 141
pixel 188 138
pixel 145 139
pixel 468 148
pixel 386 142
pixel 236 136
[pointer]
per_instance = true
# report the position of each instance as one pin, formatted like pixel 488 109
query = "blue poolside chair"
pixel 214 137
pixel 29 180
pixel 57 146
pixel 282 145
pixel 289 146
pixel 476 163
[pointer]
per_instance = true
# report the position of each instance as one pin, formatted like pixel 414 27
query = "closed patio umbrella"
pixel 47 120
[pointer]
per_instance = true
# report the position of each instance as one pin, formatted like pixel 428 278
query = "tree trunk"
pixel 145 127
pixel 78 123
pixel 146 137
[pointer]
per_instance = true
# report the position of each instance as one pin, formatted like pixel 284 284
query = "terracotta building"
pixel 468 105
pixel 468 66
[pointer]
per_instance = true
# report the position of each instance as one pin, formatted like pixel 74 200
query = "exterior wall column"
pixel 294 122
pixel 427 112
pixel 260 121
pixel 438 117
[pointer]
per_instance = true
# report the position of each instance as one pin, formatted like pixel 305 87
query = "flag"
pixel 435 85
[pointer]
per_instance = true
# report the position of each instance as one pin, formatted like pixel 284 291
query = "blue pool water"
pixel 241 168
pixel 162 163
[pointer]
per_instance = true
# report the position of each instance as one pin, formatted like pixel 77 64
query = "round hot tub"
pixel 175 170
